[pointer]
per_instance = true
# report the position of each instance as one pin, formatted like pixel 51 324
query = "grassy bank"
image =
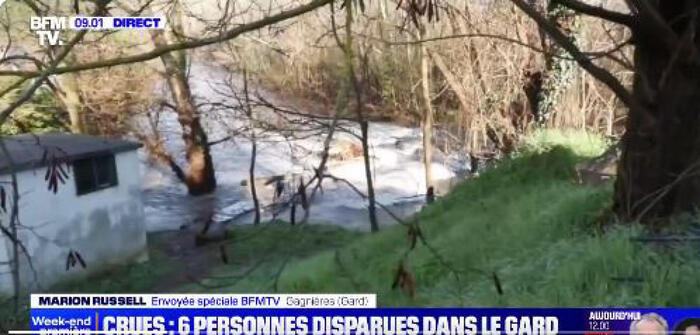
pixel 527 222
pixel 524 223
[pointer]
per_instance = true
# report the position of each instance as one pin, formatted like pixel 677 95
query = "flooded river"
pixel 396 158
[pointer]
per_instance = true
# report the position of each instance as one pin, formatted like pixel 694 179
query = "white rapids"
pixel 398 172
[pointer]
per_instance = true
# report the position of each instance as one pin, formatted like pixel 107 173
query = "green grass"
pixel 581 143
pixel 258 254
pixel 508 221
pixel 126 278
pixel 524 220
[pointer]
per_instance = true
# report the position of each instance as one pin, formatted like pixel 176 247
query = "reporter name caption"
pixel 259 314
pixel 199 301
pixel 48 29
pixel 180 314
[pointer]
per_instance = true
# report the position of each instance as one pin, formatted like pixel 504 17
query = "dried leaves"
pixel 404 279
pixel 415 9
pixel 360 3
pixel 497 283
pixel 74 259
pixel 3 199
pixel 55 172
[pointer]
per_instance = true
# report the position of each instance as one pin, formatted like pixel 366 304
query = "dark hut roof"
pixel 30 151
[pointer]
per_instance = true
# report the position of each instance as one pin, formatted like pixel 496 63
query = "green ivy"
pixel 561 70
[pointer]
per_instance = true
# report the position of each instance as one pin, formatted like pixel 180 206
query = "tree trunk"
pixel 658 170
pixel 71 102
pixel 253 149
pixel 199 175
pixel 374 225
pixel 559 71
pixel 427 113
pixel 359 109
pixel 253 191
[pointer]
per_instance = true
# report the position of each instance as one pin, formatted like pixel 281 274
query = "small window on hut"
pixel 94 174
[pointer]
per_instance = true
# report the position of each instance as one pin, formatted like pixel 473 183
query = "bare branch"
pixel 44 75
pixel 600 12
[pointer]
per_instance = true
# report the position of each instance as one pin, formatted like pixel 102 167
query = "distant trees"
pixel 479 96
pixel 41 113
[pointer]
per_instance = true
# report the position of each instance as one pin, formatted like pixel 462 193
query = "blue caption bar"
pixel 430 321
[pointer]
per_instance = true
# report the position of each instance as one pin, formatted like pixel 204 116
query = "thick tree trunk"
pixel 658 171
pixel 199 175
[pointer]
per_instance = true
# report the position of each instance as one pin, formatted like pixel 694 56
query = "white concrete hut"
pixel 93 219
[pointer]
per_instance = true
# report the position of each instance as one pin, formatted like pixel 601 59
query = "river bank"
pixel 522 233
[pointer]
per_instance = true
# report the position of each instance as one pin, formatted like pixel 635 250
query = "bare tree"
pixel 427 122
pixel 55 68
pixel 199 176
pixel 347 48
pixel 253 148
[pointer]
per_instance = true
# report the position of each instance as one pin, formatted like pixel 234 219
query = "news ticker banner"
pixel 180 314
pixel 48 28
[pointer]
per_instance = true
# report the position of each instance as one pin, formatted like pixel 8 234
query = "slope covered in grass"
pixel 524 220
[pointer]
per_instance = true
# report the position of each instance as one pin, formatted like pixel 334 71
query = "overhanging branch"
pixel 45 74
pixel 157 52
